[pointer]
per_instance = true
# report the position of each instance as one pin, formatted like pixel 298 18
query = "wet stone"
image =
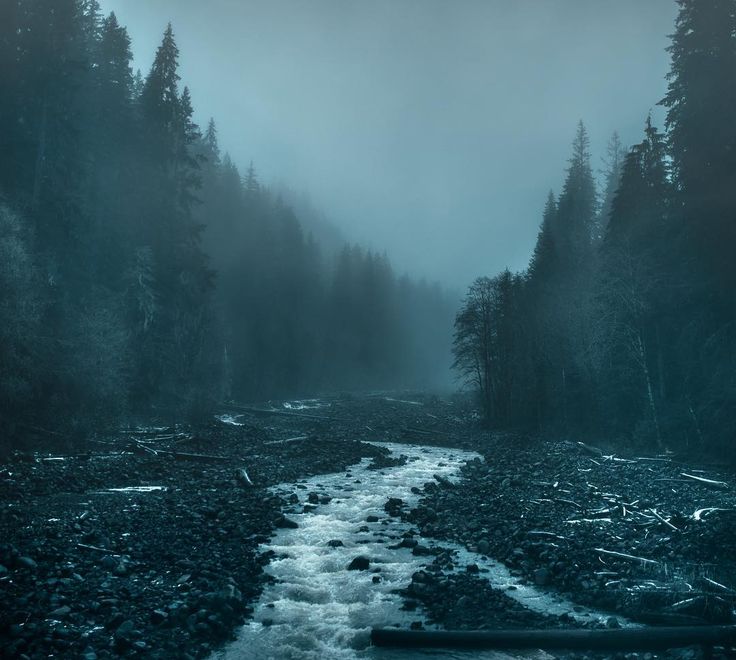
pixel 360 563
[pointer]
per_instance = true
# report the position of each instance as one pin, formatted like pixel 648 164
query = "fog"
pixel 433 130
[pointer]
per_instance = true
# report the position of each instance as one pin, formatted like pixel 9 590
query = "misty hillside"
pixel 146 275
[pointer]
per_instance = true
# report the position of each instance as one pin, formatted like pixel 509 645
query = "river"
pixel 316 609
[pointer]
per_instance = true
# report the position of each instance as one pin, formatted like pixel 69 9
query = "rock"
pixel 158 617
pixel 484 547
pixel 542 577
pixel 463 603
pixel 612 622
pixel 360 563
pixel 335 543
pixel 423 515
pixel 419 576
pixel 109 563
pixel 313 498
pixel 282 522
pixel 420 550
pixel 376 579
pixel 472 568
pixel 393 506
pixel 60 612
pixel 372 519
pixel 125 629
pixel 26 562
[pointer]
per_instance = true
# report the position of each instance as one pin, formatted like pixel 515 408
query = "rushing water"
pixel 316 609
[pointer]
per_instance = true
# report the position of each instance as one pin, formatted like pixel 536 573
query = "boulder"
pixel 360 563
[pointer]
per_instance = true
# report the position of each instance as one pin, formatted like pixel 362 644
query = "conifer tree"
pixel 702 133
pixel 612 177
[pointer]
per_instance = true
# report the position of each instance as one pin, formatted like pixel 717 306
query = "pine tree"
pixel 251 182
pixel 612 177
pixel 700 98
pixel 211 145
pixel 160 100
pixel 114 74
pixel 576 208
pixel 543 262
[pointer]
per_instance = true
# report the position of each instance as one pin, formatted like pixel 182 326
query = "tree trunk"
pixel 626 639
pixel 650 391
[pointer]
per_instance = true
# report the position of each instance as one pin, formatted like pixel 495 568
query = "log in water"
pixel 628 639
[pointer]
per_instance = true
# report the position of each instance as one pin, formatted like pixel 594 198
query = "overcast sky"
pixel 431 129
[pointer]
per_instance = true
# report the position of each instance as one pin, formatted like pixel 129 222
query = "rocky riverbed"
pixel 126 552
pixel 146 544
pixel 648 538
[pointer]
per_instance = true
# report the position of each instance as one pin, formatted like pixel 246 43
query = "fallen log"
pixel 698 515
pixel 717 585
pixel 709 483
pixel 626 639
pixel 298 438
pixel 200 458
pixel 623 555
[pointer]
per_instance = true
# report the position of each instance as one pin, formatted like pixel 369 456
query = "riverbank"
pixel 648 538
pixel 132 552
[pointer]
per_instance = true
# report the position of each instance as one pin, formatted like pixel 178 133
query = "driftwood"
pixel 717 585
pixel 95 548
pixel 265 412
pixel 623 555
pixel 200 458
pixel 709 483
pixel 579 640
pixel 241 476
pixel 662 520
pixel 298 438
pixel 139 448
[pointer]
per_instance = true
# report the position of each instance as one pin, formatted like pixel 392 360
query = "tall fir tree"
pixel 614 161
pixel 702 134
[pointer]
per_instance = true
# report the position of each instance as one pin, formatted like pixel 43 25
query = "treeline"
pixel 624 323
pixel 141 273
